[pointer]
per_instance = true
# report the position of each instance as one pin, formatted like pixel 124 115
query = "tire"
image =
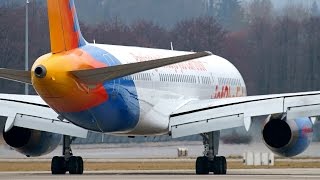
pixel 220 165
pixel 202 166
pixel 75 165
pixel 58 165
pixel 80 163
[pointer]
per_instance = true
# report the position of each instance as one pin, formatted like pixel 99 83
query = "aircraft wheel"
pixel 220 165
pixel 58 165
pixel 202 166
pixel 75 165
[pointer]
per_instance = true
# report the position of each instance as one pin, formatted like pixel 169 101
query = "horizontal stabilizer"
pixel 16 75
pixel 95 76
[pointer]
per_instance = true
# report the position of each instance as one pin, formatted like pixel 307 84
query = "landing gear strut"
pixel 67 162
pixel 210 162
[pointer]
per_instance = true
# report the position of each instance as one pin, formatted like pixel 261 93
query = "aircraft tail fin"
pixel 64 27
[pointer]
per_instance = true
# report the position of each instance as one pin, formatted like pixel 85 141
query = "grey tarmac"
pixel 239 174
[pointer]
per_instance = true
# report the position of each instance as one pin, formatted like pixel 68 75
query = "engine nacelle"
pixel 287 137
pixel 31 142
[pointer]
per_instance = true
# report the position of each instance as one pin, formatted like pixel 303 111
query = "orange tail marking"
pixel 64 27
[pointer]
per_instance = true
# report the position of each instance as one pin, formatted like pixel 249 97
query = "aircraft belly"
pixel 151 121
pixel 156 107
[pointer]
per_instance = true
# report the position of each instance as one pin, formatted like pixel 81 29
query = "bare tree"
pixel 148 34
pixel 295 11
pixel 198 34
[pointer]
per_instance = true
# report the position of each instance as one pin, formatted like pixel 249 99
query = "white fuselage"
pixel 163 90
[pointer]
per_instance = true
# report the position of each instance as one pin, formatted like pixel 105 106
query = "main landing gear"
pixel 210 162
pixel 67 162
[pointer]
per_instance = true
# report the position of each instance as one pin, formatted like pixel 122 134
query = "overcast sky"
pixel 281 3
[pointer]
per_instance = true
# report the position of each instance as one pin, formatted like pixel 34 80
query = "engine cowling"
pixel 287 137
pixel 30 142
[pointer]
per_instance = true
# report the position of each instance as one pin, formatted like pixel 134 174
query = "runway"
pixel 153 150
pixel 112 156
pixel 238 174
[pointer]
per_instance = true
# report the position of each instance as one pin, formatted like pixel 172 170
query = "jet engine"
pixel 31 142
pixel 287 137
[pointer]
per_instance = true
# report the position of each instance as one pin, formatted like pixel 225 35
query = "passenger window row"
pixel 140 76
pixel 184 79
pixel 230 81
pixel 178 78
pixel 206 80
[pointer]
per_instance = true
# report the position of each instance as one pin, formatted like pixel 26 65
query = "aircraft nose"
pixel 40 71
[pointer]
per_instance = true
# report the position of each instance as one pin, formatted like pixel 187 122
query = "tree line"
pixel 275 52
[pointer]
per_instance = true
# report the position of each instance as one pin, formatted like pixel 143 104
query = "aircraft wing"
pixel 33 113
pixel 201 116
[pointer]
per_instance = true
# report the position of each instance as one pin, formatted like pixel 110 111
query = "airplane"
pixel 135 91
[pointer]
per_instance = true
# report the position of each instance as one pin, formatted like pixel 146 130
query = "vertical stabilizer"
pixel 64 27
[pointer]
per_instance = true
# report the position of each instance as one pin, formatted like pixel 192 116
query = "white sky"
pixel 280 3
